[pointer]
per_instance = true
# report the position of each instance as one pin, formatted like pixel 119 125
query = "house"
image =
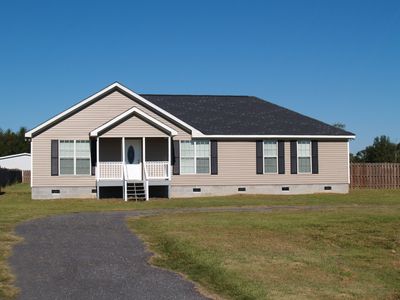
pixel 21 161
pixel 117 143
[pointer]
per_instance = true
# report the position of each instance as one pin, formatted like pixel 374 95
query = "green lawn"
pixel 16 206
pixel 339 253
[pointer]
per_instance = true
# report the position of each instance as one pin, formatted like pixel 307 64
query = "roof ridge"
pixel 195 95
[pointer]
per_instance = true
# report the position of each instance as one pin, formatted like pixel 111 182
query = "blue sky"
pixel 337 61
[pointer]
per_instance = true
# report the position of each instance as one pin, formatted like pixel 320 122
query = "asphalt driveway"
pixel 95 256
pixel 89 256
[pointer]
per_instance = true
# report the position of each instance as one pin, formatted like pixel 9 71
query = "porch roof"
pixel 126 115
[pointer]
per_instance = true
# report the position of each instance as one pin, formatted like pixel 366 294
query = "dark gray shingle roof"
pixel 240 115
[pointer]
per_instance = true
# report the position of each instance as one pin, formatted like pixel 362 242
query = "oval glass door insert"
pixel 131 154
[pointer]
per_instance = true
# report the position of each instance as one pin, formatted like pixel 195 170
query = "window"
pixel 195 157
pixel 67 158
pixel 304 156
pixel 74 157
pixel 270 157
pixel 202 157
pixel 187 157
pixel 82 157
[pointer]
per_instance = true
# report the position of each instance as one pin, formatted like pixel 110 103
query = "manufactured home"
pixel 117 143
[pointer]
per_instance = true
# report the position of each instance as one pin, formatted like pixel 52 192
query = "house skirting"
pixel 177 191
pixel 284 189
pixel 58 192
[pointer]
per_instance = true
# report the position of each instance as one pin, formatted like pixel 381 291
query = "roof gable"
pixel 127 115
pixel 101 94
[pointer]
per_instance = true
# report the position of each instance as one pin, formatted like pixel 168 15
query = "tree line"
pixel 382 150
pixel 13 142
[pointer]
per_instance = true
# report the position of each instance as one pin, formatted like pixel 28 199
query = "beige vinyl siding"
pixel 134 127
pixel 83 122
pixel 78 127
pixel 41 164
pixel 237 166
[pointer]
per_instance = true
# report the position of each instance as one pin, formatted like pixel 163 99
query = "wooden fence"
pixel 26 176
pixel 375 175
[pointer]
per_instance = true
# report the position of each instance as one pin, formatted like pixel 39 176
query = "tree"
pixel 13 142
pixel 339 125
pixel 382 150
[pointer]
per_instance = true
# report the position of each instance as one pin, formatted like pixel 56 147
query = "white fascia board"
pixel 129 112
pixel 69 110
pixel 106 89
pixel 273 136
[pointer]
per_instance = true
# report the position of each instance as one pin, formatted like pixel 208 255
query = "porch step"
pixel 136 191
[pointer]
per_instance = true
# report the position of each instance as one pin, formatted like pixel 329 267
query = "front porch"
pixel 133 155
pixel 136 165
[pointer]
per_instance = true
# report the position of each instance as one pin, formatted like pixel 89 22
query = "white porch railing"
pixel 157 169
pixel 110 170
pixel 115 170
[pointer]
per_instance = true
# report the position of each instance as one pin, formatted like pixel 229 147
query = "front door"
pixel 133 159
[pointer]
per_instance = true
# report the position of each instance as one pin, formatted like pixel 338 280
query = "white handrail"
pixel 146 181
pixel 125 183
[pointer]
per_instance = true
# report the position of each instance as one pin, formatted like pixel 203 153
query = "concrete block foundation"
pixel 63 192
pixel 224 190
pixel 177 191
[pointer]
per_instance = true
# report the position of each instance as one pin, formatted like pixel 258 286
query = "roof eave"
pixel 267 136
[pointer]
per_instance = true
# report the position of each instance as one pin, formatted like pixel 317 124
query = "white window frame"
pixel 277 157
pixel 59 157
pixel 298 156
pixel 195 158
pixel 74 159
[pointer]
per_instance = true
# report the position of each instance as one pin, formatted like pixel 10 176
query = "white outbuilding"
pixel 20 161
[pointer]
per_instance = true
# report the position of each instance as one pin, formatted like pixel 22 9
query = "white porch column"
pixel 97 169
pixel 144 150
pixel 169 158
pixel 123 150
pixel 124 185
pixel 146 182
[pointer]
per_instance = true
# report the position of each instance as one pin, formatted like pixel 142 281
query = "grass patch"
pixel 338 253
pixel 16 206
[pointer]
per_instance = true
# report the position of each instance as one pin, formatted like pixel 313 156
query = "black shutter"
pixel 175 159
pixel 293 157
pixel 54 157
pixel 314 153
pixel 259 157
pixel 281 157
pixel 214 157
pixel 93 155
